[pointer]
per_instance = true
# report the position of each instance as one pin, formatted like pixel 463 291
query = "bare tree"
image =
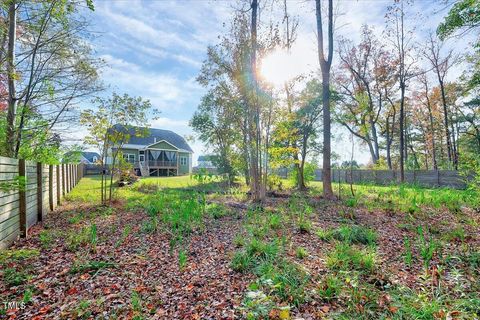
pixel 441 66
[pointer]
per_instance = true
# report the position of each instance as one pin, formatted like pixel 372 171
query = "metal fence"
pixel 425 178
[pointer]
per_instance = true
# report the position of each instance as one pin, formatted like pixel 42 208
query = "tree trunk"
pixel 445 117
pixel 325 67
pixel 11 74
pixel 401 131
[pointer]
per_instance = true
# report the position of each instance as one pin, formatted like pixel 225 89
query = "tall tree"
pixel 441 65
pixel 325 65
pixel 402 40
pixel 50 69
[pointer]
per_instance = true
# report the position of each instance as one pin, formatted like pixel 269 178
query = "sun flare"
pixel 278 67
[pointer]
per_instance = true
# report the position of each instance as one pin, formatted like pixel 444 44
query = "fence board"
pixel 21 208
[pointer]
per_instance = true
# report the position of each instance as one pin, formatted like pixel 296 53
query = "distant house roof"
pixel 206 158
pixel 90 155
pixel 153 136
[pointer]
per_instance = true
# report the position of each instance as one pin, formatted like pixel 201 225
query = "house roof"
pixel 206 158
pixel 89 155
pixel 153 136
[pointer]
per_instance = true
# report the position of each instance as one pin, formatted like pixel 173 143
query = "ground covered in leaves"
pixel 171 253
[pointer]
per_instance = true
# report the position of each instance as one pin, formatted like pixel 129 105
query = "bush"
pixel 355 234
pixel 330 288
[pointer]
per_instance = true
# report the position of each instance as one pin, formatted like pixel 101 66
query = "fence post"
pixel 39 191
pixel 22 198
pixel 414 177
pixel 63 178
pixel 438 178
pixel 50 187
pixel 59 195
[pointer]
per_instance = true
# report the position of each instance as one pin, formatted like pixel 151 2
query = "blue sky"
pixel 154 49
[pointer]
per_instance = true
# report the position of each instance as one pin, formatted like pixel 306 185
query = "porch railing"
pixel 165 164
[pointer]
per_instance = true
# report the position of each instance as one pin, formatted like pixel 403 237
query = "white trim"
pixel 141 146
pixel 162 141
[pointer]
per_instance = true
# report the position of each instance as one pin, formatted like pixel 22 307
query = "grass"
pixel 347 257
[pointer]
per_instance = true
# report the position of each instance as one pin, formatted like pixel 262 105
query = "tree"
pixel 364 84
pixel 325 64
pixel 307 126
pixel 50 69
pixel 402 41
pixel 213 123
pixel 110 126
pixel 441 65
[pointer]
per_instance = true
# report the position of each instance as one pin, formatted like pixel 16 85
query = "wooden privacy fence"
pixel 28 190
pixel 426 178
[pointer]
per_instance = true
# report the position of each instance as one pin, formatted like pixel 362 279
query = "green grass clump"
pixel 182 259
pixel 355 234
pixel 46 238
pixel 216 210
pixel 90 266
pixel 347 257
pixel 14 255
pixel 13 277
pixel 330 288
pixel 301 253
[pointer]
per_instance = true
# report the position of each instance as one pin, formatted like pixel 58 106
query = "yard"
pixel 167 249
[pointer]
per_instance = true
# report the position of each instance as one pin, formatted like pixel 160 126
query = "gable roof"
pixel 154 136
pixel 89 155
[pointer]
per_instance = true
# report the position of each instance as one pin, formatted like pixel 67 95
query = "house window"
pixel 129 157
pixel 183 161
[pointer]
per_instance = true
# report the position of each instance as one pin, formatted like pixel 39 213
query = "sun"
pixel 278 67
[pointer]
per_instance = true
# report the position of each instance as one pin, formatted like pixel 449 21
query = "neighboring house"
pixel 85 157
pixel 158 153
pixel 89 157
pixel 206 162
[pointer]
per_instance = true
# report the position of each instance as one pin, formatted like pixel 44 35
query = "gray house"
pixel 157 153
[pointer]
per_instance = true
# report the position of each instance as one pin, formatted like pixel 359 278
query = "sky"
pixel 155 49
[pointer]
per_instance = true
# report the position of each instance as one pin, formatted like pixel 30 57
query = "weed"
pixel 301 253
pixel 14 277
pixel 325 235
pixel 427 247
pixel 331 288
pixel 262 250
pixel 216 210
pixel 239 240
pixel 274 221
pixel 355 234
pixel 150 225
pixel 17 255
pixel 457 234
pixel 46 238
pixel 27 296
pixel 241 261
pixel 351 202
pixel 91 266
pixel 136 302
pixel 76 238
pixel 304 226
pixel 182 259
pixel 408 254
pixel 82 310
pixel 347 257
pixel 93 236
pixel 126 231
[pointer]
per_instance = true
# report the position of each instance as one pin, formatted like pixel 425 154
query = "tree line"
pixel 392 90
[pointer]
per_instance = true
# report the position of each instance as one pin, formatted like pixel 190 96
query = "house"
pixel 85 157
pixel 155 152
pixel 206 162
